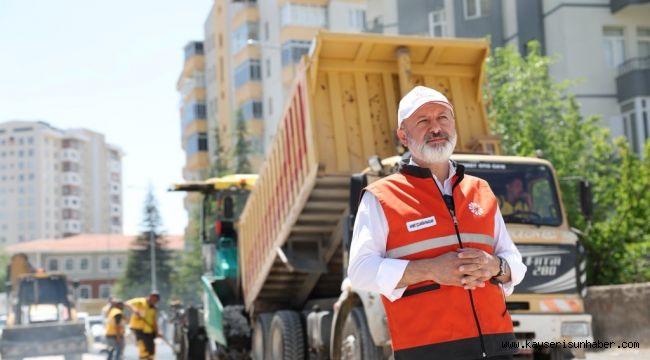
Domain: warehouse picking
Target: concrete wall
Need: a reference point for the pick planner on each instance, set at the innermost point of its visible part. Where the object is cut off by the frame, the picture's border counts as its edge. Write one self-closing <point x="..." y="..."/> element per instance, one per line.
<point x="620" y="312"/>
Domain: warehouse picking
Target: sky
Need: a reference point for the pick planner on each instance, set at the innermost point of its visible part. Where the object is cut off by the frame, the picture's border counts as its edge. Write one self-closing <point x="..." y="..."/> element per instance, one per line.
<point x="111" y="67"/>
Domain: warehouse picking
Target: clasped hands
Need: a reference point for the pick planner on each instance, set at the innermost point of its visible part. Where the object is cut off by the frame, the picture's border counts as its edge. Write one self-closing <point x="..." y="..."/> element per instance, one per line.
<point x="467" y="267"/>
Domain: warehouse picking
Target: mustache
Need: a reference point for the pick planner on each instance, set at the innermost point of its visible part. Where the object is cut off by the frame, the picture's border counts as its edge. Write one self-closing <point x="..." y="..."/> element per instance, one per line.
<point x="435" y="136"/>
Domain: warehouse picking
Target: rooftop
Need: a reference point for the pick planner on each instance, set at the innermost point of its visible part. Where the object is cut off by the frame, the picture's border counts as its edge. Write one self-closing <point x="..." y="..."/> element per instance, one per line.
<point x="88" y="243"/>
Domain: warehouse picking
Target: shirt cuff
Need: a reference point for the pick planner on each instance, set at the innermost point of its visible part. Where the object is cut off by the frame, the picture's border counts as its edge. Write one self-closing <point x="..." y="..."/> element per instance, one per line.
<point x="389" y="274"/>
<point x="517" y="272"/>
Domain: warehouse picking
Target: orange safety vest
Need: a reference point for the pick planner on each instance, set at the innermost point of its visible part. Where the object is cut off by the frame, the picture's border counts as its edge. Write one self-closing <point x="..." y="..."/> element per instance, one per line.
<point x="432" y="320"/>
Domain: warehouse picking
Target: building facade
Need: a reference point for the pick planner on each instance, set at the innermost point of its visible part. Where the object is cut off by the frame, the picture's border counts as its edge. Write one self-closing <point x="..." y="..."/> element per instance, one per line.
<point x="97" y="261"/>
<point x="603" y="45"/>
<point x="56" y="183"/>
<point x="251" y="51"/>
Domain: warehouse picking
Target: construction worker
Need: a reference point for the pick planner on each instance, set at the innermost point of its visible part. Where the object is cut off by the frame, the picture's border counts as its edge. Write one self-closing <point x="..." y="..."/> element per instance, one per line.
<point x="144" y="323"/>
<point x="115" y="330"/>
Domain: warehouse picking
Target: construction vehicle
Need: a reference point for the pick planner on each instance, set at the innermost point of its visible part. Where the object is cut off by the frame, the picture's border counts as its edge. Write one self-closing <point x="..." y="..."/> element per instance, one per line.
<point x="294" y="233"/>
<point x="41" y="318"/>
<point x="221" y="318"/>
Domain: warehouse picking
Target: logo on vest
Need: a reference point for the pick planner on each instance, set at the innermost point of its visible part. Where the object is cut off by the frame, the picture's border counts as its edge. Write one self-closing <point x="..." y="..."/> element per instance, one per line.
<point x="476" y="209"/>
<point x="420" y="224"/>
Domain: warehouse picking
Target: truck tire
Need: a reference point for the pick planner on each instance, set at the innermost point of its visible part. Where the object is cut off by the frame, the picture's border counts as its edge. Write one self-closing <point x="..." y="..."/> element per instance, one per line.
<point x="357" y="342"/>
<point x="261" y="343"/>
<point x="287" y="336"/>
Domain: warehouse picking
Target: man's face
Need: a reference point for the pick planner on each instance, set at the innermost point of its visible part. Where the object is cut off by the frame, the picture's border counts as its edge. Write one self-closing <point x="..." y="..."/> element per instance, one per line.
<point x="430" y="133"/>
<point x="153" y="299"/>
<point x="515" y="187"/>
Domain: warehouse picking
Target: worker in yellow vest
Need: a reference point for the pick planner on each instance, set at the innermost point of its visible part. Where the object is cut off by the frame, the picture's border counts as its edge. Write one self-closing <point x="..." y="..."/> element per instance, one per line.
<point x="144" y="323"/>
<point x="115" y="330"/>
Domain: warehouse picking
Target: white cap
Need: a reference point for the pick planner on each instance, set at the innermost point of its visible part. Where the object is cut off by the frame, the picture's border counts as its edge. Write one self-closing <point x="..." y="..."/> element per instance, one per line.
<point x="417" y="97"/>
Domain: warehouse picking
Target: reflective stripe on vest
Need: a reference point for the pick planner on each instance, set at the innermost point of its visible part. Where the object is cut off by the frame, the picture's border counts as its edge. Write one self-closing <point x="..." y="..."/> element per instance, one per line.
<point x="432" y="320"/>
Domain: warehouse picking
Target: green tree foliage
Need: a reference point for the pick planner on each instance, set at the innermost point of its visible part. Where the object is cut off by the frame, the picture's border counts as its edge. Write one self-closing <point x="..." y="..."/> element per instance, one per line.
<point x="532" y="114"/>
<point x="242" y="150"/>
<point x="186" y="283"/>
<point x="219" y="166"/>
<point x="136" y="280"/>
<point x="4" y="261"/>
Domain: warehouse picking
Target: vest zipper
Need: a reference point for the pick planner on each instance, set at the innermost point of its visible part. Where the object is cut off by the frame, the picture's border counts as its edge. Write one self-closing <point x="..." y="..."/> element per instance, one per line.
<point x="449" y="201"/>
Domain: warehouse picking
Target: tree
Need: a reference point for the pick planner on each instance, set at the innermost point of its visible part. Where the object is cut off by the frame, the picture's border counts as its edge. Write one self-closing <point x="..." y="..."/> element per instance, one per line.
<point x="4" y="262"/>
<point x="219" y="166"/>
<point x="532" y="114"/>
<point x="242" y="148"/>
<point x="136" y="280"/>
<point x="186" y="278"/>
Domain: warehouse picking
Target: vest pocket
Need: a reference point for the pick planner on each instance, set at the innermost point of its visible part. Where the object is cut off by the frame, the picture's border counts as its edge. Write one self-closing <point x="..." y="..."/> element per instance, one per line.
<point x="420" y="289"/>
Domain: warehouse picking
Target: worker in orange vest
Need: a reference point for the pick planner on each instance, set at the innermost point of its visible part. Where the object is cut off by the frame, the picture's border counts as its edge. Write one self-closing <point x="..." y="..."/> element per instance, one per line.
<point x="432" y="241"/>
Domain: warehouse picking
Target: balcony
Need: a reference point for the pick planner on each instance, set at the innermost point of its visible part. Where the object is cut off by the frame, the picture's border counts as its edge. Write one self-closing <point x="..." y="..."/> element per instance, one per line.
<point x="618" y="5"/>
<point x="633" y="79"/>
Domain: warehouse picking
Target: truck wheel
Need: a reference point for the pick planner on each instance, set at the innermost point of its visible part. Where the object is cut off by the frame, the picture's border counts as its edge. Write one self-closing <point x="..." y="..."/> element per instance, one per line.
<point x="287" y="336"/>
<point x="356" y="339"/>
<point x="262" y="337"/>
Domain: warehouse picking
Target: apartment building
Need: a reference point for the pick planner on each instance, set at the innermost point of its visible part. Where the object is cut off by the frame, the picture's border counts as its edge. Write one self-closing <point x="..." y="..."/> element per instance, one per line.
<point x="56" y="183"/>
<point x="251" y="52"/>
<point x="194" y="124"/>
<point x="603" y="44"/>
<point x="97" y="261"/>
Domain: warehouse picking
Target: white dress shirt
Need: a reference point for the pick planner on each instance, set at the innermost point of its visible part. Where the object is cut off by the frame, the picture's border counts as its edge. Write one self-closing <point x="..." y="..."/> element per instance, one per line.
<point x="370" y="270"/>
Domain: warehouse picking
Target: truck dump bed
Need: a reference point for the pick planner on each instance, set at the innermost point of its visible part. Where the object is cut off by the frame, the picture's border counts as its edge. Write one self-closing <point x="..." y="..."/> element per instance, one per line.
<point x="341" y="111"/>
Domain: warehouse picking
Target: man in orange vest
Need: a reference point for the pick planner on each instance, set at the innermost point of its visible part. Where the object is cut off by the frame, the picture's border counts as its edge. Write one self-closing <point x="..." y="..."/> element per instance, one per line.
<point x="432" y="241"/>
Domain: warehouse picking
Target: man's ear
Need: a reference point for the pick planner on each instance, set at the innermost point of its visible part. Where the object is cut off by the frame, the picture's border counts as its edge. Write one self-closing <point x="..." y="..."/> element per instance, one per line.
<point x="401" y="135"/>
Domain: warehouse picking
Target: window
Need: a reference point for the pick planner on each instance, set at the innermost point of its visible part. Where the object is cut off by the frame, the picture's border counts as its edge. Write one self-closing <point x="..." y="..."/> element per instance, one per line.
<point x="613" y="46"/>
<point x="193" y="111"/>
<point x="104" y="263"/>
<point x="69" y="264"/>
<point x="197" y="142"/>
<point x="357" y="19"/>
<point x="475" y="9"/>
<point x="437" y="23"/>
<point x="119" y="262"/>
<point x="83" y="264"/>
<point x="293" y="50"/>
<point x="249" y="70"/>
<point x="241" y="37"/>
<point x="270" y="106"/>
<point x="104" y="291"/>
<point x="643" y="41"/>
<point x="53" y="265"/>
<point x="635" y="115"/>
<point x="84" y="292"/>
<point x="252" y="109"/>
<point x="303" y="15"/>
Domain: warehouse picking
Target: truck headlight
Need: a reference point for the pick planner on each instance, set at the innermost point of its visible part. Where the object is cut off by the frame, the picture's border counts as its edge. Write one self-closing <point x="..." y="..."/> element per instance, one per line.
<point x="575" y="328"/>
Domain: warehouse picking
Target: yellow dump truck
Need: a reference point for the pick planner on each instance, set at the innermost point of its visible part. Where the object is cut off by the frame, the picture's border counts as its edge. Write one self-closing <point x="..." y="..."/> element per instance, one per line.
<point x="294" y="233"/>
<point x="41" y="319"/>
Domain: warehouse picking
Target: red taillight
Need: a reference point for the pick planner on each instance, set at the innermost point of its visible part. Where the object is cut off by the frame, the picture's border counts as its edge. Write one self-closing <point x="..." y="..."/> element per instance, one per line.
<point x="217" y="227"/>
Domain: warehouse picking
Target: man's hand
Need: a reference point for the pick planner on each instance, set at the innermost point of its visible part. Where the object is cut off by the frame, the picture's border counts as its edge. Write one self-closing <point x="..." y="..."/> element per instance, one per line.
<point x="443" y="269"/>
<point x="477" y="267"/>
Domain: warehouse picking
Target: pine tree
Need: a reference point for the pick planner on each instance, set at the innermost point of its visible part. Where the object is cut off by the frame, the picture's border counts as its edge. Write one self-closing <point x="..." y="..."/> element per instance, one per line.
<point x="136" y="280"/>
<point x="186" y="278"/>
<point x="219" y="166"/>
<point x="242" y="147"/>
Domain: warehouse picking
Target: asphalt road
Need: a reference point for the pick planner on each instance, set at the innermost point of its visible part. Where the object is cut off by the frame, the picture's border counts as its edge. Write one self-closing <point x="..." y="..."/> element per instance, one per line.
<point x="165" y="353"/>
